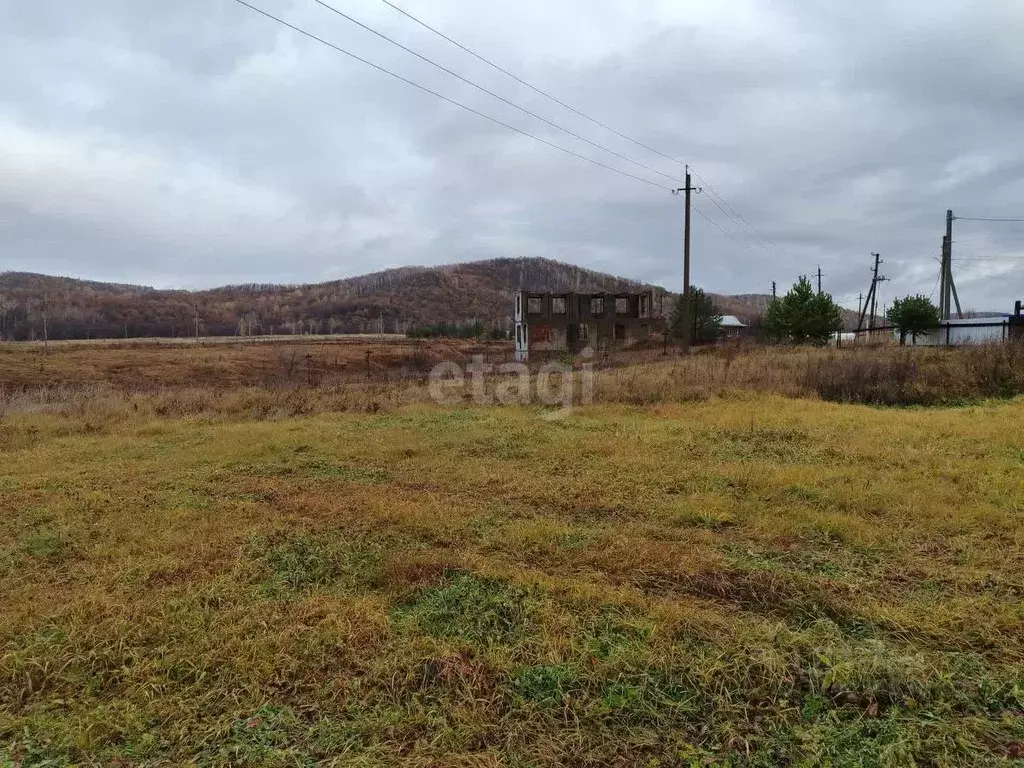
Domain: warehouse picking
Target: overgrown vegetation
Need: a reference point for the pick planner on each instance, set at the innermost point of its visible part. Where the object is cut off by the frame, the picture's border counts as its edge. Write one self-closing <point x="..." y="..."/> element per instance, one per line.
<point x="104" y="383"/>
<point x="943" y="377"/>
<point x="738" y="579"/>
<point x="887" y="375"/>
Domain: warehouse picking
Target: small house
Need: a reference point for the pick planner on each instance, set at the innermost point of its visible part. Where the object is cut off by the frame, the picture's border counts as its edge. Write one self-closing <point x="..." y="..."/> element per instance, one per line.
<point x="732" y="326"/>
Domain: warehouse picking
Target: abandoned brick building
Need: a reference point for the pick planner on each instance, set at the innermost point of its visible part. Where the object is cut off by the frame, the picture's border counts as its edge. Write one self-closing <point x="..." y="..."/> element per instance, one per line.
<point x="554" y="322"/>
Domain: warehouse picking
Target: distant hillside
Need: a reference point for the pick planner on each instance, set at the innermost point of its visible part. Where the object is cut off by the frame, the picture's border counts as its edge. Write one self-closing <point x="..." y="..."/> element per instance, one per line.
<point x="394" y="300"/>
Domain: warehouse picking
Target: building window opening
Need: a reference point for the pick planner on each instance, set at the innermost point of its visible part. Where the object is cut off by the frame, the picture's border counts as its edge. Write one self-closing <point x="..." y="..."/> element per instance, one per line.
<point x="558" y="305"/>
<point x="533" y="305"/>
<point x="597" y="305"/>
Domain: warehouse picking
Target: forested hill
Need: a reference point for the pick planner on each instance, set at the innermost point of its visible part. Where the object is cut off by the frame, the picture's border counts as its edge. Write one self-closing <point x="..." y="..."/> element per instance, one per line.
<point x="398" y="299"/>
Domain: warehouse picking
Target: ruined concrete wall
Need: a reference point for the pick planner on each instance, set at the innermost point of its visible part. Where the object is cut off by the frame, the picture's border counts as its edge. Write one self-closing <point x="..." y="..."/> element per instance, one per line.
<point x="574" y="321"/>
<point x="546" y="337"/>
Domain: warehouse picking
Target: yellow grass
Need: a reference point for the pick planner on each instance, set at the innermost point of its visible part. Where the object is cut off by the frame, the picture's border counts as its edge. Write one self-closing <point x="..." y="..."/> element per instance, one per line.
<point x="745" y="579"/>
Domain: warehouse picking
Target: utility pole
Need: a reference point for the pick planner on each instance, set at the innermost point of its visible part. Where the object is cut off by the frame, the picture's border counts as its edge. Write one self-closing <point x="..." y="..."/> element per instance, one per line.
<point x="46" y="333"/>
<point x="819" y="279"/>
<point x="197" y="322"/>
<point x="948" y="291"/>
<point x="874" y="290"/>
<point x="860" y="303"/>
<point x="773" y="291"/>
<point x="943" y="315"/>
<point x="949" y="261"/>
<point x="686" y="262"/>
<point x="871" y="301"/>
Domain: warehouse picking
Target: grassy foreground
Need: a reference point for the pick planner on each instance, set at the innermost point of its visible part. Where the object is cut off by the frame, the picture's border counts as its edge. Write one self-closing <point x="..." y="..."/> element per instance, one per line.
<point x="749" y="580"/>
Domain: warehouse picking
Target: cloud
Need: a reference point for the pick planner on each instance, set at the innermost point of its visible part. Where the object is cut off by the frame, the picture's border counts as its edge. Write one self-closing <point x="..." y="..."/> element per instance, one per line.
<point x="197" y="143"/>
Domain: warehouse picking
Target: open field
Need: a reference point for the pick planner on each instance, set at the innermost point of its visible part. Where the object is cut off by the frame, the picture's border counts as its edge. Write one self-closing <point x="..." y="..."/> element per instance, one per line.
<point x="144" y="365"/>
<point x="695" y="570"/>
<point x="310" y="374"/>
<point x="206" y="341"/>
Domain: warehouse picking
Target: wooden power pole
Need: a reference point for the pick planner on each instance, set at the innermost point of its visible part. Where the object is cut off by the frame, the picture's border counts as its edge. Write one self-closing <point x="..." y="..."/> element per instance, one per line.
<point x="947" y="291"/>
<point x="819" y="279"/>
<point x="874" y="290"/>
<point x="686" y="323"/>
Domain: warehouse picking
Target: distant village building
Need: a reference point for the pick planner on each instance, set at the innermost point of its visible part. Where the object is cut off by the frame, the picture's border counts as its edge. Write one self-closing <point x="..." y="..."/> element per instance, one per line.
<point x="555" y="322"/>
<point x="732" y="327"/>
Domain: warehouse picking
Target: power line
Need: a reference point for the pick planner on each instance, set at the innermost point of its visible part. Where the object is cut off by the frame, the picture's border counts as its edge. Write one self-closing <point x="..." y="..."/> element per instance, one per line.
<point x="718" y="226"/>
<point x="425" y="89"/>
<point x="983" y="218"/>
<point x="988" y="258"/>
<point x="491" y="93"/>
<point x="494" y="120"/>
<point x="712" y="193"/>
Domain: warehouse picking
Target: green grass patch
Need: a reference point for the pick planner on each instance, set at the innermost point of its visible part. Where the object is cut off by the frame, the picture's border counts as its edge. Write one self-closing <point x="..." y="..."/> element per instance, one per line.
<point x="307" y="562"/>
<point x="45" y="544"/>
<point x="545" y="686"/>
<point x="474" y="609"/>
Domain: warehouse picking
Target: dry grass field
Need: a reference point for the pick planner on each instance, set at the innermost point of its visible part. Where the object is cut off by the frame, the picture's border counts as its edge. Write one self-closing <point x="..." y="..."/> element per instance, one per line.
<point x="713" y="564"/>
<point x="148" y="364"/>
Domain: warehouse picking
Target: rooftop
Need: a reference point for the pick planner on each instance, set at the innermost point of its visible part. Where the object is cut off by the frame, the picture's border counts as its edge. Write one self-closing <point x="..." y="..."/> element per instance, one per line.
<point x="731" y="321"/>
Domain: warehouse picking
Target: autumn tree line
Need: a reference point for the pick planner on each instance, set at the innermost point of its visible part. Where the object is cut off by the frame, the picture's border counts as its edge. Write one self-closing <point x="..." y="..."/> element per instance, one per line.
<point x="469" y="298"/>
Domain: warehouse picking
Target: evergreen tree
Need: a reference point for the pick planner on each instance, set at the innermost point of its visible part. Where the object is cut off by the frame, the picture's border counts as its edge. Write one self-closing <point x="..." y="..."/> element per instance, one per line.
<point x="913" y="315"/>
<point x="705" y="320"/>
<point x="803" y="316"/>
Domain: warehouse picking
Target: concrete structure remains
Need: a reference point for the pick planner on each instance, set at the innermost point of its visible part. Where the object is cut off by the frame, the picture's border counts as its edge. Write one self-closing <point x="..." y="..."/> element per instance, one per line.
<point x="557" y="322"/>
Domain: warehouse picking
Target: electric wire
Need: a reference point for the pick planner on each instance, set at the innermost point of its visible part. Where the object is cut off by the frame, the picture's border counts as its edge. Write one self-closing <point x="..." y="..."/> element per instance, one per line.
<point x="447" y="99"/>
<point x="736" y="218"/>
<point x="466" y="107"/>
<point x="491" y="93"/>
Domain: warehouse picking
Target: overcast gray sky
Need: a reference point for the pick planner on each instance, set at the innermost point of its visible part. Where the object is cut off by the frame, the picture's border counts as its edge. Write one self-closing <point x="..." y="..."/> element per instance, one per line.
<point x="194" y="143"/>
